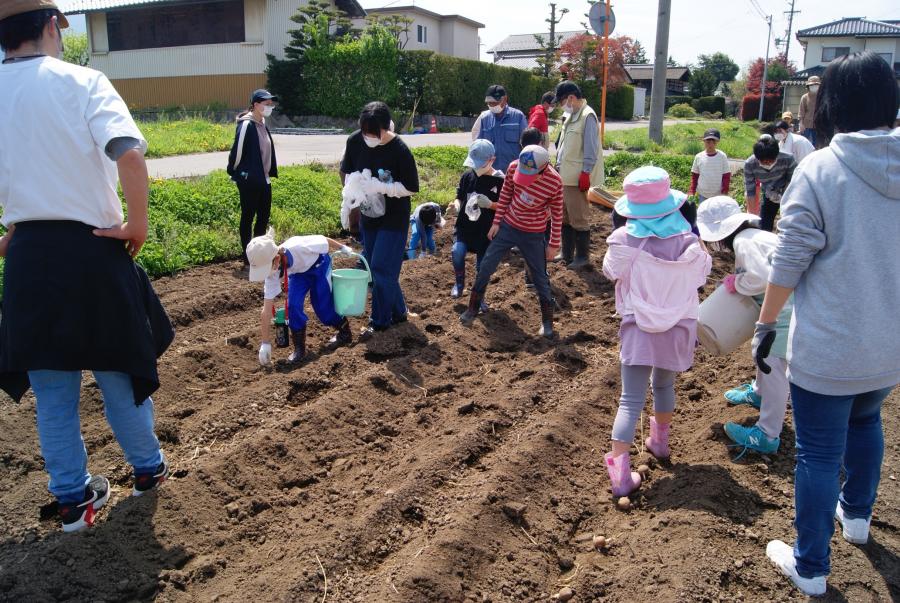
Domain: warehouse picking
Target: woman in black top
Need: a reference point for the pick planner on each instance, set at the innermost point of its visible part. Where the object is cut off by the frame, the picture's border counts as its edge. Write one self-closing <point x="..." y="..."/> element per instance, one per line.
<point x="251" y="164"/>
<point x="376" y="148"/>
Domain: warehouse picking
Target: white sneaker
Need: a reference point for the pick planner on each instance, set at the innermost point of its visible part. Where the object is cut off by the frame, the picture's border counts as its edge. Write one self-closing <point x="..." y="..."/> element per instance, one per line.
<point x="856" y="531"/>
<point x="782" y="557"/>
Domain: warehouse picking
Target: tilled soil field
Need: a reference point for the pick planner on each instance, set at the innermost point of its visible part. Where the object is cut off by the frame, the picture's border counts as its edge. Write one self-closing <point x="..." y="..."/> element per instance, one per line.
<point x="433" y="463"/>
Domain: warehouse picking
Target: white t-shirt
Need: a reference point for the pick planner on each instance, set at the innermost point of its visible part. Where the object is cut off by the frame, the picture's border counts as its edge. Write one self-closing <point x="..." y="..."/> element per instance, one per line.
<point x="304" y="253"/>
<point x="710" y="168"/>
<point x="797" y="146"/>
<point x="53" y="165"/>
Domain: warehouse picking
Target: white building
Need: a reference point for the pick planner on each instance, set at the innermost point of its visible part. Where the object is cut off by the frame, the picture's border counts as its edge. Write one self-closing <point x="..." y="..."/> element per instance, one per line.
<point x="188" y="52"/>
<point x="452" y="35"/>
<point x="824" y="43"/>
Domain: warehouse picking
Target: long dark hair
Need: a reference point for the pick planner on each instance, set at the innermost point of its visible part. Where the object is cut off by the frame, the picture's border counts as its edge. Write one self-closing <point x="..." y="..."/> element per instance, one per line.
<point x="859" y="92"/>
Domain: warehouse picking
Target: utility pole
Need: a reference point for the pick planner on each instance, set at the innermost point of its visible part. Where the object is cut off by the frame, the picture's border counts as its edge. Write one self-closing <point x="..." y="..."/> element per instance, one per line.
<point x="790" y="14"/>
<point x="661" y="53"/>
<point x="762" y="87"/>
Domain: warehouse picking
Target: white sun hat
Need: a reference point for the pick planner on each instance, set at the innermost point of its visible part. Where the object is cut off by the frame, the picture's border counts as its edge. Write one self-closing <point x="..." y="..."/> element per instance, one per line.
<point x="718" y="217"/>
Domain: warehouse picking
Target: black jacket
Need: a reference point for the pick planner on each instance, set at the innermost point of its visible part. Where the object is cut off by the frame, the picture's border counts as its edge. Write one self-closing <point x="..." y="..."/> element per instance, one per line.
<point x="249" y="168"/>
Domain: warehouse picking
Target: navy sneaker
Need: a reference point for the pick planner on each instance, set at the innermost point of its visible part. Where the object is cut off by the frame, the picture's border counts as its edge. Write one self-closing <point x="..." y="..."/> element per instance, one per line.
<point x="145" y="482"/>
<point x="77" y="516"/>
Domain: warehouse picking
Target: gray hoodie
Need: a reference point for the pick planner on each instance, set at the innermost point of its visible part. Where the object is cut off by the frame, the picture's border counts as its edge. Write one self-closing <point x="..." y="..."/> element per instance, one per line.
<point x="839" y="246"/>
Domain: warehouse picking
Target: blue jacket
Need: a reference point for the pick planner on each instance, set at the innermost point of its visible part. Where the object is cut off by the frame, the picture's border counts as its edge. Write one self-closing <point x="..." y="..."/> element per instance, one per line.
<point x="504" y="131"/>
<point x="245" y="164"/>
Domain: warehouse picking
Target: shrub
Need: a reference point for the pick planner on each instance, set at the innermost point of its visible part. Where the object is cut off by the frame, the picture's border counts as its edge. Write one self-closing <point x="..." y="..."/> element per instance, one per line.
<point x="619" y="102"/>
<point x="709" y="104"/>
<point x="750" y="107"/>
<point x="671" y="101"/>
<point x="683" y="110"/>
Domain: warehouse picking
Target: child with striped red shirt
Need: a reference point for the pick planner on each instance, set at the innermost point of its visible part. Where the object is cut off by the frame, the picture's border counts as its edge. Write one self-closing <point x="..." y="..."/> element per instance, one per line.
<point x="532" y="193"/>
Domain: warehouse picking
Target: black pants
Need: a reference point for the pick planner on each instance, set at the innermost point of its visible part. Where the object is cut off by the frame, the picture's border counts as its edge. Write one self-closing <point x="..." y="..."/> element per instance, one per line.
<point x="256" y="202"/>
<point x="767" y="213"/>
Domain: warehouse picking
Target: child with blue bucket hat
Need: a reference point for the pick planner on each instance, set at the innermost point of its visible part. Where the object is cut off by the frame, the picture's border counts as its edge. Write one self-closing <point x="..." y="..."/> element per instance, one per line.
<point x="657" y="264"/>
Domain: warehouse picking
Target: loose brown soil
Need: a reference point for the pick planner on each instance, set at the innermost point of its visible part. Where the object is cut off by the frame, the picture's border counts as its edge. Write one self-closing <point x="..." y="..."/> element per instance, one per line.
<point x="433" y="463"/>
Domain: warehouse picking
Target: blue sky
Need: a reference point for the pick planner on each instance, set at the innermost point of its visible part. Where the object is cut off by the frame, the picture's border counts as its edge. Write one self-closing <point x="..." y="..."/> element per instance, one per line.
<point x="697" y="26"/>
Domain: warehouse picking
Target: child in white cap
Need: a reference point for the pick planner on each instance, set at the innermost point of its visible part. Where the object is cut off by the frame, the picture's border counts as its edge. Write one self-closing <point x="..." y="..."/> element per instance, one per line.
<point x="306" y="261"/>
<point x="657" y="264"/>
<point x="724" y="227"/>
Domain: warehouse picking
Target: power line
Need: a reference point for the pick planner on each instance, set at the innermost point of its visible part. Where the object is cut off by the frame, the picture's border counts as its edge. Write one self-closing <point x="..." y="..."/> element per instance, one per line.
<point x="759" y="9"/>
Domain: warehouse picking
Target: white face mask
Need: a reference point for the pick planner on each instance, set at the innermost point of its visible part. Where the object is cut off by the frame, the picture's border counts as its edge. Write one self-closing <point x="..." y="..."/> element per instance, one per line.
<point x="496" y="109"/>
<point x="371" y="142"/>
<point x="766" y="167"/>
<point x="814" y="88"/>
<point x="487" y="169"/>
<point x="780" y="136"/>
<point x="568" y="109"/>
<point x="267" y="110"/>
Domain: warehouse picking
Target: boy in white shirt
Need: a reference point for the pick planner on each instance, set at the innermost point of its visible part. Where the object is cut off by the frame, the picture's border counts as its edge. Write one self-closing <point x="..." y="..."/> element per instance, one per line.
<point x="710" y="173"/>
<point x="306" y="261"/>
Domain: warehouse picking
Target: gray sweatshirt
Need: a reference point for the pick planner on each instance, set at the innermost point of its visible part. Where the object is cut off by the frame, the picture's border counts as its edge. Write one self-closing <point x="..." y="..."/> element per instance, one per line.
<point x="839" y="246"/>
<point x="772" y="181"/>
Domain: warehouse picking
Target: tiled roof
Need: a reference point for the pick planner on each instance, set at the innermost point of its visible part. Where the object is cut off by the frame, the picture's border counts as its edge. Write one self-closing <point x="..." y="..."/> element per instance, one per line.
<point x="525" y="42"/>
<point x="527" y="63"/>
<point x="645" y="72"/>
<point x="799" y="78"/>
<point x="853" y="26"/>
<point x="74" y="7"/>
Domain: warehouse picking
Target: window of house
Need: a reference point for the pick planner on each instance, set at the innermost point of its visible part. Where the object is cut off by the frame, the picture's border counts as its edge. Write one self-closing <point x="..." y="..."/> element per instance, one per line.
<point x="887" y="56"/>
<point x="215" y="22"/>
<point x="422" y="34"/>
<point x="830" y="53"/>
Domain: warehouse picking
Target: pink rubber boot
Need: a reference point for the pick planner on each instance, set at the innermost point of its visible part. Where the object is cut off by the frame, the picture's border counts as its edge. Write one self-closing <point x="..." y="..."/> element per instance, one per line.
<point x="624" y="480"/>
<point x="658" y="442"/>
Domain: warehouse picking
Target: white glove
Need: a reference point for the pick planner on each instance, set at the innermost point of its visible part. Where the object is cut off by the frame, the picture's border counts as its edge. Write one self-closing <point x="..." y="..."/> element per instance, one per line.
<point x="265" y="354"/>
<point x="344" y="251"/>
<point x="483" y="202"/>
<point x="389" y="189"/>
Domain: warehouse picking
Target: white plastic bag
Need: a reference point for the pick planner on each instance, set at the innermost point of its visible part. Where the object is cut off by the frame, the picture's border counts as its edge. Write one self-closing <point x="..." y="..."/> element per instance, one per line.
<point x="355" y="196"/>
<point x="472" y="209"/>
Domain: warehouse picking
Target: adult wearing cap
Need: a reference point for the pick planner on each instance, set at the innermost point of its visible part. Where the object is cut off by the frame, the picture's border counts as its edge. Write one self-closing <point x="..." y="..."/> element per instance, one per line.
<point x="73" y="297"/>
<point x="788" y="142"/>
<point x="531" y="194"/>
<point x="807" y="111"/>
<point x="788" y="117"/>
<point x="252" y="165"/>
<point x="579" y="160"/>
<point x="502" y="125"/>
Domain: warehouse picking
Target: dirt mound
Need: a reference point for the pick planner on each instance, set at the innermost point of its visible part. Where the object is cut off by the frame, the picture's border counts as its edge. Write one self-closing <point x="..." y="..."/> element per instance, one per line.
<point x="433" y="463"/>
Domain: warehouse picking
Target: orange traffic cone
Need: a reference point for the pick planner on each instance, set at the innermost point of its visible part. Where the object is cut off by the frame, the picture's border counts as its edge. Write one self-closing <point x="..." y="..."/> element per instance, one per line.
<point x="433" y="129"/>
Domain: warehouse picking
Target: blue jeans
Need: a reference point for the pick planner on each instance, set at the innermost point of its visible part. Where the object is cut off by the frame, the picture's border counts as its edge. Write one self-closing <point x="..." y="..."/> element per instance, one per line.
<point x="458" y="257"/>
<point x="384" y="250"/>
<point x="59" y="428"/>
<point x="316" y="281"/>
<point x="810" y="135"/>
<point x="533" y="248"/>
<point x="415" y="240"/>
<point x="833" y="432"/>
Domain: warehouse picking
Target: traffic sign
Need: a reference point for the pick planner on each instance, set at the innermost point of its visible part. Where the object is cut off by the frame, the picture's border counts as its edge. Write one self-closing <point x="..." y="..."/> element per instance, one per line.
<point x="597" y="16"/>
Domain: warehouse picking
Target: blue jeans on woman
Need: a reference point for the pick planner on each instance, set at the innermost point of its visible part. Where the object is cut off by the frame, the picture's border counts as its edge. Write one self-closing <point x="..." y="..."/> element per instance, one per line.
<point x="384" y="249"/>
<point x="418" y="240"/>
<point x="59" y="428"/>
<point x="833" y="432"/>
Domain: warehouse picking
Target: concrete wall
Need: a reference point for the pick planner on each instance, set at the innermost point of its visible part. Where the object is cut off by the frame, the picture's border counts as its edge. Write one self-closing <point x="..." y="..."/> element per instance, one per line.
<point x="465" y="40"/>
<point x="885" y="45"/>
<point x="434" y="33"/>
<point x="813" y="56"/>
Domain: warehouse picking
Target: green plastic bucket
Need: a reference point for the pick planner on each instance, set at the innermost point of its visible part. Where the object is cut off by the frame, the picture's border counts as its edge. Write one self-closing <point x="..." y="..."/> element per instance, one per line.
<point x="350" y="288"/>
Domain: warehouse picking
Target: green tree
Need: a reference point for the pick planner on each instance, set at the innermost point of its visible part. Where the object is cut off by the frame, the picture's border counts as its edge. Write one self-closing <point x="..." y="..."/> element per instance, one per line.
<point x="76" y="48"/>
<point x="549" y="46"/>
<point x="396" y="25"/>
<point x="719" y="65"/>
<point x="319" y="24"/>
<point x="634" y="52"/>
<point x="671" y="62"/>
<point x="702" y="82"/>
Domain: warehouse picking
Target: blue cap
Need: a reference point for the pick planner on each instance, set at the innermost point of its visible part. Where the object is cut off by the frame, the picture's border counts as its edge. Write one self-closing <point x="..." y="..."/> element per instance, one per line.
<point x="480" y="152"/>
<point x="262" y="95"/>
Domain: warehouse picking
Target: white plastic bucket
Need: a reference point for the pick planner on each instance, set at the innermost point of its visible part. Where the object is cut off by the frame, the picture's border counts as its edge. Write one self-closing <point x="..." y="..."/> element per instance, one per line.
<point x="726" y="321"/>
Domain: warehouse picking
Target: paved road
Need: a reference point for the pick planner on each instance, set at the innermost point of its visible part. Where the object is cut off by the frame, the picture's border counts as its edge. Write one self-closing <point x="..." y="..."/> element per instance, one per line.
<point x="294" y="150"/>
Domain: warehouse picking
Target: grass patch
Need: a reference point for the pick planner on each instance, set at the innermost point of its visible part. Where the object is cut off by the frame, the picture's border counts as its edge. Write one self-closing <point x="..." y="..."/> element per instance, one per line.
<point x="619" y="165"/>
<point x="684" y="139"/>
<point x="185" y="136"/>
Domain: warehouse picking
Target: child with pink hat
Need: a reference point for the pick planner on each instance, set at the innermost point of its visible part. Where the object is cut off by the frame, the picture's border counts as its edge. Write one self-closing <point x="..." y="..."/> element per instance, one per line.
<point x="657" y="264"/>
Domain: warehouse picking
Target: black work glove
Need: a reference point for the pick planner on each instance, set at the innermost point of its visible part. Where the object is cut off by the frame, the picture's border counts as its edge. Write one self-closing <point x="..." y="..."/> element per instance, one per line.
<point x="763" y="338"/>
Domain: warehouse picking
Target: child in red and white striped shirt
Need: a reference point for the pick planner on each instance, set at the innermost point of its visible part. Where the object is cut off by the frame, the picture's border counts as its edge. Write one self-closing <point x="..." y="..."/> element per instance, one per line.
<point x="532" y="193"/>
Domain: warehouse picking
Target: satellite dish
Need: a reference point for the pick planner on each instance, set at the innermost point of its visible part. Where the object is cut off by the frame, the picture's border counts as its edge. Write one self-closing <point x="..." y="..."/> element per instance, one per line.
<point x="597" y="16"/>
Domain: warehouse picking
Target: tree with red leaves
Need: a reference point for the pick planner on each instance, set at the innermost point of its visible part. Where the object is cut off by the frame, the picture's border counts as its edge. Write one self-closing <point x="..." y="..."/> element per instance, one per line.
<point x="581" y="59"/>
<point x="779" y="70"/>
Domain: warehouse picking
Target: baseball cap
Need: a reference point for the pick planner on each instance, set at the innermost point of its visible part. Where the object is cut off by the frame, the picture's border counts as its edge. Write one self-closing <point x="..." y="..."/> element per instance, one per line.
<point x="494" y="93"/>
<point x="565" y="89"/>
<point x="262" y="95"/>
<point x="532" y="161"/>
<point x="260" y="253"/>
<point x="480" y="153"/>
<point x="11" y="8"/>
<point x="711" y="133"/>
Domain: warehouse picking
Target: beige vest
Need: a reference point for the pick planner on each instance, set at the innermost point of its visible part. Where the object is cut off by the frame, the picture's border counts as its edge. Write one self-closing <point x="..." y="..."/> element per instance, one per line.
<point x="572" y="142"/>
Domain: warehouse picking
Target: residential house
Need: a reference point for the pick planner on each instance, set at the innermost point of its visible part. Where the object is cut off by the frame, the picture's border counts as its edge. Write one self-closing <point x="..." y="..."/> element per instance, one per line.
<point x="824" y="43"/>
<point x="453" y="35"/>
<point x="188" y="52"/>
<point x="523" y="50"/>
<point x="676" y="78"/>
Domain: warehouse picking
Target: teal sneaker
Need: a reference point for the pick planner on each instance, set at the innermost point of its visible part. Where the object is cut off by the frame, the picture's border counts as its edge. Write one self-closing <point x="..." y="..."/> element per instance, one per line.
<point x="744" y="395"/>
<point x="750" y="438"/>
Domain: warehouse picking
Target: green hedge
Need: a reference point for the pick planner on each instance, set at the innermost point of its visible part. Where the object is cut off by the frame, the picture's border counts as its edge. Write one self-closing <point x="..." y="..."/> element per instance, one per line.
<point x="619" y="102"/>
<point x="677" y="100"/>
<point x="709" y="104"/>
